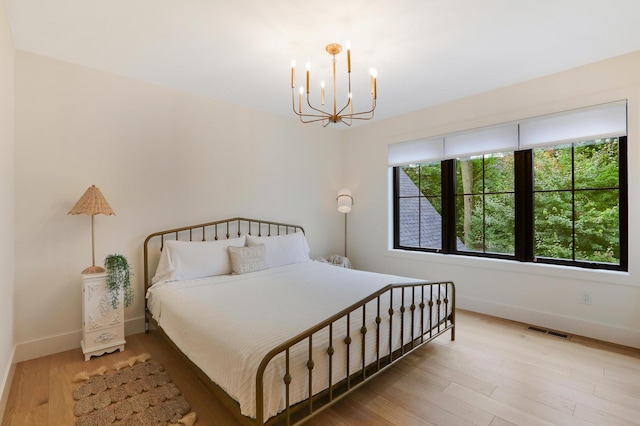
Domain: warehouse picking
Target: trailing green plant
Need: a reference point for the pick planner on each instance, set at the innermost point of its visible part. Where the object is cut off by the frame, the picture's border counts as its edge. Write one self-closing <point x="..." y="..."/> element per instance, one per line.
<point x="118" y="277"/>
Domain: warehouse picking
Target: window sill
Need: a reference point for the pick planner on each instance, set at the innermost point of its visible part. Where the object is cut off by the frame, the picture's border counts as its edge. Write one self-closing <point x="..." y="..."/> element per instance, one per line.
<point x="541" y="269"/>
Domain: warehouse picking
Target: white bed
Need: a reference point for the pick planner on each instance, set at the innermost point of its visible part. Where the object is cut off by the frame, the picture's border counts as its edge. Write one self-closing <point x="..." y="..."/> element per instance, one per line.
<point x="227" y="324"/>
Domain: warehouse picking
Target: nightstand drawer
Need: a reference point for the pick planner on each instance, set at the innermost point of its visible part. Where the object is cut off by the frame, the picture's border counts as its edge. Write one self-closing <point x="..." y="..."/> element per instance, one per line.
<point x="104" y="338"/>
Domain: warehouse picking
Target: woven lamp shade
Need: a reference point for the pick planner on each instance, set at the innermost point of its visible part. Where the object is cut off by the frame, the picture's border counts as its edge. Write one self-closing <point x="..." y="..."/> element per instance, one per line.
<point x="92" y="203"/>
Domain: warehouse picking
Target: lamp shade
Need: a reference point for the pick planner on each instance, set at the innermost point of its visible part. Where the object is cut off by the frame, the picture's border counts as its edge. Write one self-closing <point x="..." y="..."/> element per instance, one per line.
<point x="345" y="200"/>
<point x="92" y="202"/>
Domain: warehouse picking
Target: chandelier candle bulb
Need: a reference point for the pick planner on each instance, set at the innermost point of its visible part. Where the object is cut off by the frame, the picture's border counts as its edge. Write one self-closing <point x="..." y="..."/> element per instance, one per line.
<point x="371" y="79"/>
<point x="348" y="45"/>
<point x="374" y="74"/>
<point x="322" y="90"/>
<point x="293" y="74"/>
<point x="301" y="92"/>
<point x="308" y="73"/>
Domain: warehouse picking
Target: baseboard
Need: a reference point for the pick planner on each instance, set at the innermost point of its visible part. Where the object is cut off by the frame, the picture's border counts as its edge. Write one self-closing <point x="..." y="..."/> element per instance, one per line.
<point x="577" y="326"/>
<point x="134" y="326"/>
<point x="5" y="385"/>
<point x="64" y="342"/>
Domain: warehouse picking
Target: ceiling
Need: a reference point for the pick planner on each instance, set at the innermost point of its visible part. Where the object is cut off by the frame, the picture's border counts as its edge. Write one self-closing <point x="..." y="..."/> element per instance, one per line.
<point x="426" y="52"/>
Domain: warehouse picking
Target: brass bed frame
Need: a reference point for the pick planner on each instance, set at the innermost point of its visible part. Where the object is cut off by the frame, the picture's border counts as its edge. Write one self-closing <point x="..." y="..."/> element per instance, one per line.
<point x="422" y="303"/>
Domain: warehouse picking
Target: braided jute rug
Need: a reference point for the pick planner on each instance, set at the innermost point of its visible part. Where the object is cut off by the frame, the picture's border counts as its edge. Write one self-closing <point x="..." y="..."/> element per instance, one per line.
<point x="133" y="392"/>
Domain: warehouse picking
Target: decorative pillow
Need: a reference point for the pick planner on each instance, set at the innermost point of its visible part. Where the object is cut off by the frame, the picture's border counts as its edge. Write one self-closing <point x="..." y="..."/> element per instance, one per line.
<point x="187" y="260"/>
<point x="283" y="249"/>
<point x="247" y="259"/>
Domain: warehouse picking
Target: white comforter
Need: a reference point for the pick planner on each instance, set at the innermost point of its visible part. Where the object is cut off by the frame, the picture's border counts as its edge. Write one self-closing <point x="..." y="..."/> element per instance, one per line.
<point x="227" y="324"/>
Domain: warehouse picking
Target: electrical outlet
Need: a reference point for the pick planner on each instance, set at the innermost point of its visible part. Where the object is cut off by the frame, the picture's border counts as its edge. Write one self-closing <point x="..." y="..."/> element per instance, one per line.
<point x="585" y="297"/>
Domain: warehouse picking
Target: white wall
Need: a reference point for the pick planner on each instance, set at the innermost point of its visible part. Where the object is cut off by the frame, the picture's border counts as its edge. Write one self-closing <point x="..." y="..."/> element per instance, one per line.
<point x="538" y="294"/>
<point x="162" y="158"/>
<point x="6" y="206"/>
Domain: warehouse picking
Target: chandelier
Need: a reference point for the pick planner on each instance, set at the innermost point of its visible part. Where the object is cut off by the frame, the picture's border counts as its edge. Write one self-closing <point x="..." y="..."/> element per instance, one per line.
<point x="343" y="115"/>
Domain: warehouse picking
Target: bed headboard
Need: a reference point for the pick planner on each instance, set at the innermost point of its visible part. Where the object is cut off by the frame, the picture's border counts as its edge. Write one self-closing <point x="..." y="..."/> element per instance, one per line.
<point x="210" y="231"/>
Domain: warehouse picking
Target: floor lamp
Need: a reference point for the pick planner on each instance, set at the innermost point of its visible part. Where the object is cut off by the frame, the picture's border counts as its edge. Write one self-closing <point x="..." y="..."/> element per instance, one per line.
<point x="345" y="201"/>
<point x="92" y="203"/>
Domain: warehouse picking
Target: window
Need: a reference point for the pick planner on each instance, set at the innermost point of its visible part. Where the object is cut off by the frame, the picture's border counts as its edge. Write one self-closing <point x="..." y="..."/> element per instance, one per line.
<point x="485" y="203"/>
<point x="577" y="201"/>
<point x="420" y="201"/>
<point x="562" y="203"/>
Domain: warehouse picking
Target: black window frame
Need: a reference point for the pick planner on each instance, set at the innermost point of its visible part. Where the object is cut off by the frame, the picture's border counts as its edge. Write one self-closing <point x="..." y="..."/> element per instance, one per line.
<point x="524" y="232"/>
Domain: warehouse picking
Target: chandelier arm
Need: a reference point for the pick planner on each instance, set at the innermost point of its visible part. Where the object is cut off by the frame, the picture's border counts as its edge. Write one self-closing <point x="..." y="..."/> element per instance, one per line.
<point x="361" y="118"/>
<point x="316" y="116"/>
<point x="345" y="107"/>
<point x="312" y="118"/>
<point x="316" y="109"/>
<point x="355" y="115"/>
<point x="323" y="116"/>
<point x="293" y="102"/>
<point x="371" y="111"/>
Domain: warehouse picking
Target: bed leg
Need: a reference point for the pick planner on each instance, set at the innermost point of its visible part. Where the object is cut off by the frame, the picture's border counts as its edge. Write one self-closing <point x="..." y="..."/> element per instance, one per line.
<point x="453" y="323"/>
<point x="146" y="325"/>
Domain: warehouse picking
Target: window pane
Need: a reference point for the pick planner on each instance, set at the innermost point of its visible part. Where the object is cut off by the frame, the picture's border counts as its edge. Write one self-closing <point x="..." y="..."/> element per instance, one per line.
<point x="430" y="177"/>
<point x="553" y="225"/>
<point x="500" y="223"/>
<point x="430" y="223"/>
<point x="469" y="222"/>
<point x="409" y="222"/>
<point x="552" y="168"/>
<point x="596" y="164"/>
<point x="597" y="226"/>
<point x="499" y="172"/>
<point x="490" y="226"/>
<point x="469" y="175"/>
<point x="409" y="187"/>
<point x="420" y="206"/>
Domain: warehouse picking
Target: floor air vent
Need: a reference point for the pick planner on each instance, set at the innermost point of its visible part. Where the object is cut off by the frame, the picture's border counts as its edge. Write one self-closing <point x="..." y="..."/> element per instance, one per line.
<point x="549" y="332"/>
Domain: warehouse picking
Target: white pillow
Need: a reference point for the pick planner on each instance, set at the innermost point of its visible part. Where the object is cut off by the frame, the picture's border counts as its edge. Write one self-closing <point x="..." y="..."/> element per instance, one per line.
<point x="247" y="259"/>
<point x="187" y="260"/>
<point x="283" y="249"/>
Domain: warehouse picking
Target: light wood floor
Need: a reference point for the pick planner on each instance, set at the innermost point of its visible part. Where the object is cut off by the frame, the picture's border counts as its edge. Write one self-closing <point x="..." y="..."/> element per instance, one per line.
<point x="495" y="373"/>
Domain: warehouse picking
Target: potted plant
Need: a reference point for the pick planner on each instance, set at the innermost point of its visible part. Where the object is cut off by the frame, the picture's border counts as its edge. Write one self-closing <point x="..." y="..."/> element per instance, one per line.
<point x="118" y="275"/>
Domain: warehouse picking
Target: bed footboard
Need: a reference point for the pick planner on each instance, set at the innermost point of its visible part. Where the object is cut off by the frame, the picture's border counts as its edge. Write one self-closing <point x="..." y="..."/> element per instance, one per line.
<point x="394" y="328"/>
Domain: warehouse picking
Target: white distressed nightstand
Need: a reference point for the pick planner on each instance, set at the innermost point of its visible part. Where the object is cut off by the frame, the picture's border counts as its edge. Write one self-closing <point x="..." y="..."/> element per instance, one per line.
<point x="102" y="326"/>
